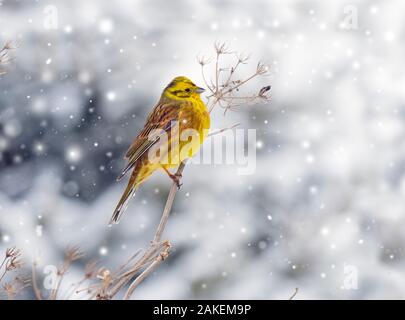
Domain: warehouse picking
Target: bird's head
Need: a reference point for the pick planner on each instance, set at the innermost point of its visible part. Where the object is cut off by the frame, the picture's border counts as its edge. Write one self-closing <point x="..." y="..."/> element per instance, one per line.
<point x="182" y="88"/>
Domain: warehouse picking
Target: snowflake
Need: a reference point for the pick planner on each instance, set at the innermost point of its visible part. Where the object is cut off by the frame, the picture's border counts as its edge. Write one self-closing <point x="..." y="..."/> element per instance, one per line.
<point x="39" y="148"/>
<point x="73" y="154"/>
<point x="106" y="26"/>
<point x="103" y="251"/>
<point x="324" y="231"/>
<point x="111" y="96"/>
<point x="68" y="29"/>
<point x="38" y="230"/>
<point x="259" y="144"/>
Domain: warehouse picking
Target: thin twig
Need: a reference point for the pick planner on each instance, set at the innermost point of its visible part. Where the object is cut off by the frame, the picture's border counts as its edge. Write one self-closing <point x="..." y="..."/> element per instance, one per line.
<point x="150" y="254"/>
<point x="157" y="261"/>
<point x="222" y="130"/>
<point x="37" y="292"/>
<point x="294" y="294"/>
<point x="169" y="204"/>
<point x="3" y="262"/>
<point x="3" y="274"/>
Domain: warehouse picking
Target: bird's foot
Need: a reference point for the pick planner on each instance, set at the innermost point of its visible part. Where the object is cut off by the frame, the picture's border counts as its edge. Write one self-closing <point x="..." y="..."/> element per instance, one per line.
<point x="176" y="179"/>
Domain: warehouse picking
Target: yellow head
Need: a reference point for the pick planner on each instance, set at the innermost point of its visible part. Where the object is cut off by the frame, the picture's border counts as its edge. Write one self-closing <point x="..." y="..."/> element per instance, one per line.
<point x="182" y="88"/>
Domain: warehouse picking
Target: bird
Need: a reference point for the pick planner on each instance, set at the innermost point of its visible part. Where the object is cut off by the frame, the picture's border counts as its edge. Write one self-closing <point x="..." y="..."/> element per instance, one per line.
<point x="173" y="132"/>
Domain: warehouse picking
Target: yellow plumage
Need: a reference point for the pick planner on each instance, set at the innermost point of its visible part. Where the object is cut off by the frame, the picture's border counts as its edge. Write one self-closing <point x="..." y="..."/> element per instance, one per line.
<point x="173" y="131"/>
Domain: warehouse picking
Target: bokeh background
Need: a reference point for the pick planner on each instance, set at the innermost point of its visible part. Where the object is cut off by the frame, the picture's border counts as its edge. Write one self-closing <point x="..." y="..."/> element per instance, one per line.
<point x="324" y="210"/>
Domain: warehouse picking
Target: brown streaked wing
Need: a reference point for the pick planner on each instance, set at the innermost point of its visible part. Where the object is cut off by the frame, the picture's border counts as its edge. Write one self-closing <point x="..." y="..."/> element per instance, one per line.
<point x="160" y="118"/>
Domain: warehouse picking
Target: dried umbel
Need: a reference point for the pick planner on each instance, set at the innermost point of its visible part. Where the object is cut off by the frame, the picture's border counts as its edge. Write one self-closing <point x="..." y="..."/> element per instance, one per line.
<point x="225" y="84"/>
<point x="73" y="253"/>
<point x="12" y="261"/>
<point x="90" y="271"/>
<point x="14" y="287"/>
<point x="12" y="252"/>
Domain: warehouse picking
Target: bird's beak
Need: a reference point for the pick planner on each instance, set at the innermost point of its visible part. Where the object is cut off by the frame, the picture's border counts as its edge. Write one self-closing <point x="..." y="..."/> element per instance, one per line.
<point x="199" y="90"/>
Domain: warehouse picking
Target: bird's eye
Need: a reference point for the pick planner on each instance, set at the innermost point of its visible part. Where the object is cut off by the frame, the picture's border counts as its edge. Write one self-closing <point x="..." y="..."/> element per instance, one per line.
<point x="188" y="90"/>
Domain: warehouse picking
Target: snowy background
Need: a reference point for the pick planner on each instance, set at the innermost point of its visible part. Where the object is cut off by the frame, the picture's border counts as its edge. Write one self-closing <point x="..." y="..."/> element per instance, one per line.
<point x="324" y="210"/>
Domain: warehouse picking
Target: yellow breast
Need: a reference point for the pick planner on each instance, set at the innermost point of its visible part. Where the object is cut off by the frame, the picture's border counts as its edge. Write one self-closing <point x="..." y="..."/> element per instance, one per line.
<point x="194" y="125"/>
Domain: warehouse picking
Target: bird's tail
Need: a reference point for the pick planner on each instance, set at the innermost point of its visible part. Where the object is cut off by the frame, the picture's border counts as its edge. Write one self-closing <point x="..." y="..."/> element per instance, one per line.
<point x="123" y="203"/>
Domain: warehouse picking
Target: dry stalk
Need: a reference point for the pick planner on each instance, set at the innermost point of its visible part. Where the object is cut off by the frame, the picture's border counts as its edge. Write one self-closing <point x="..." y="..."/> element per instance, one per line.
<point x="72" y="253"/>
<point x="294" y="294"/>
<point x="37" y="292"/>
<point x="162" y="256"/>
<point x="90" y="272"/>
<point x="153" y="256"/>
<point x="15" y="286"/>
<point x="10" y="263"/>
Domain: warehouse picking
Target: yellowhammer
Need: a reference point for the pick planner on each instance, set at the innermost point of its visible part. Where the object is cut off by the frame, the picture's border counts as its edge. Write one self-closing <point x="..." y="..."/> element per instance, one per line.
<point x="173" y="132"/>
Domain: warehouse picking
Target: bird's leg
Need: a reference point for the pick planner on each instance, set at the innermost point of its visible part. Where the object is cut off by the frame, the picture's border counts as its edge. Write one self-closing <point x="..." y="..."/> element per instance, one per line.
<point x="175" y="177"/>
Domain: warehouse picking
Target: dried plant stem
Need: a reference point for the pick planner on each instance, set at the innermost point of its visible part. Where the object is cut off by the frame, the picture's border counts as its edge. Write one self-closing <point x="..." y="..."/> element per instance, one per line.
<point x="168" y="206"/>
<point x="3" y="262"/>
<point x="157" y="251"/>
<point x="11" y="262"/>
<point x="54" y="292"/>
<point x="223" y="94"/>
<point x="294" y="294"/>
<point x="37" y="292"/>
<point x="74" y="288"/>
<point x="128" y="275"/>
<point x="158" y="260"/>
<point x="2" y="276"/>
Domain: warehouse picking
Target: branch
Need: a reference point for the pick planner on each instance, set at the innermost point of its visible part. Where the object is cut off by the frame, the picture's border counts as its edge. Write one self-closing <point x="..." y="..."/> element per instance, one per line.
<point x="156" y="240"/>
<point x="154" y="255"/>
<point x="168" y="206"/>
<point x="156" y="262"/>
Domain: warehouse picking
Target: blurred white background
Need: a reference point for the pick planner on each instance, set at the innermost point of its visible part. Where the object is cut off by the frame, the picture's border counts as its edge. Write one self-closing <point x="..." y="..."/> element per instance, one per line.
<point x="323" y="212"/>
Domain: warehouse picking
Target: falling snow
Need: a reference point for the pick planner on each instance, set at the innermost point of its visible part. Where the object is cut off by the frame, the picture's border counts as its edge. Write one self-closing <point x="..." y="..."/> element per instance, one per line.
<point x="329" y="151"/>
